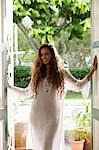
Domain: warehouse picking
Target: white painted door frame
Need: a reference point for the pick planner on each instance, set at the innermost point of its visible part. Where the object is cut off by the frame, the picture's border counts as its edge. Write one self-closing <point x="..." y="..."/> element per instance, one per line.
<point x="6" y="58"/>
<point x="3" y="99"/>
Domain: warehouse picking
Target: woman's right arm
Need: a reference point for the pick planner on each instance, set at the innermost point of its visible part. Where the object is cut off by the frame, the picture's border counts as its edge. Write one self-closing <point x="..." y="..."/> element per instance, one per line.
<point x="28" y="89"/>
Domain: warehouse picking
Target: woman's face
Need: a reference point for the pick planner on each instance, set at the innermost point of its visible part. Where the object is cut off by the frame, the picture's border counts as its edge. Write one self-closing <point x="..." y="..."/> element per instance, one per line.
<point x="45" y="56"/>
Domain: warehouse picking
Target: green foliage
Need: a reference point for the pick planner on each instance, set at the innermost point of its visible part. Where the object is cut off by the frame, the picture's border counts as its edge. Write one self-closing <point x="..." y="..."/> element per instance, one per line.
<point x="79" y="73"/>
<point x="83" y="123"/>
<point x="73" y="95"/>
<point x="23" y="45"/>
<point x="73" y="52"/>
<point x="78" y="134"/>
<point x="83" y="118"/>
<point x="46" y="14"/>
<point x="21" y="76"/>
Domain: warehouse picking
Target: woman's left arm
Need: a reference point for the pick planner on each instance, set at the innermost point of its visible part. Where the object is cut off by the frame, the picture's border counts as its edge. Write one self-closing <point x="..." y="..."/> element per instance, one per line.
<point x="79" y="84"/>
<point x="89" y="76"/>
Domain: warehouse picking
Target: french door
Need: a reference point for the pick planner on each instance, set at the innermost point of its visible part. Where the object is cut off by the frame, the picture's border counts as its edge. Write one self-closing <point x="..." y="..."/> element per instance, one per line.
<point x="95" y="51"/>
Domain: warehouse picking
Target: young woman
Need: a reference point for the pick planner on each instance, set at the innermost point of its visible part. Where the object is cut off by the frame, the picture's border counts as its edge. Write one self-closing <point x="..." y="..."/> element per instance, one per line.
<point x="49" y="81"/>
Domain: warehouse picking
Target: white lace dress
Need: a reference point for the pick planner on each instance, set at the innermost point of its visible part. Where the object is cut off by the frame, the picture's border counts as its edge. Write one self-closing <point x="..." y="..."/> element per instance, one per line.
<point x="46" y="117"/>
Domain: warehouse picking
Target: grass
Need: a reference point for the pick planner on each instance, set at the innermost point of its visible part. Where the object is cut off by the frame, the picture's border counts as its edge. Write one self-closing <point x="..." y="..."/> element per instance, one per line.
<point x="69" y="95"/>
<point x="75" y="95"/>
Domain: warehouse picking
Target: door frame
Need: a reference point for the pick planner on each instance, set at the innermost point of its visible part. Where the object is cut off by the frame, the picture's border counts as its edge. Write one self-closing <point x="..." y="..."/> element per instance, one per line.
<point x="3" y="98"/>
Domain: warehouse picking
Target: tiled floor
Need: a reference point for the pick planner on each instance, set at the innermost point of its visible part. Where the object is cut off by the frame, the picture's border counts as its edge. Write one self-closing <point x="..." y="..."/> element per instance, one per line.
<point x="67" y="147"/>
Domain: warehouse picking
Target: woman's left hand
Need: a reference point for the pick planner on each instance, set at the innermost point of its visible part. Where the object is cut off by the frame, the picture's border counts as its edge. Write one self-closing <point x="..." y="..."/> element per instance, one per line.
<point x="89" y="76"/>
<point x="95" y="63"/>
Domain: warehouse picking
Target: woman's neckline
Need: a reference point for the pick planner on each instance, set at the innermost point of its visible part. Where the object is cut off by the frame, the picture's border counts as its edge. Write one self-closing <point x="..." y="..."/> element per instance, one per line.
<point x="46" y="80"/>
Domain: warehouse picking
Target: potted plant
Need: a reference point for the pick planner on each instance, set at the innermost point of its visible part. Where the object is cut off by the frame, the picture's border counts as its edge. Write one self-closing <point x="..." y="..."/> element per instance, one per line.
<point x="83" y="120"/>
<point x="79" y="136"/>
<point x="77" y="139"/>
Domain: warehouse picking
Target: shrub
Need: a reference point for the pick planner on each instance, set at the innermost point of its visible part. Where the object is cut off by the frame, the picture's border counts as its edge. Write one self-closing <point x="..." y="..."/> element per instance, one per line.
<point x="22" y="74"/>
<point x="79" y="73"/>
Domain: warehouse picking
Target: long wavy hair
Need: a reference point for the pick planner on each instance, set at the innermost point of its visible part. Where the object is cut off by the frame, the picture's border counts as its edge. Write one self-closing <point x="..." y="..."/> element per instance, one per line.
<point x="56" y="70"/>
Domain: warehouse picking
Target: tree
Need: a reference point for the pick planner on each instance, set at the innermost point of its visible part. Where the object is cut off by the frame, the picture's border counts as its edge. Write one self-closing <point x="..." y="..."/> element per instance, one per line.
<point x="52" y="18"/>
<point x="75" y="52"/>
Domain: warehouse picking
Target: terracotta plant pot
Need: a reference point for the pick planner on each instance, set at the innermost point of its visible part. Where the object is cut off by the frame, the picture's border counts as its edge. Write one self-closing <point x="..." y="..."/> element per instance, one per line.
<point x="77" y="145"/>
